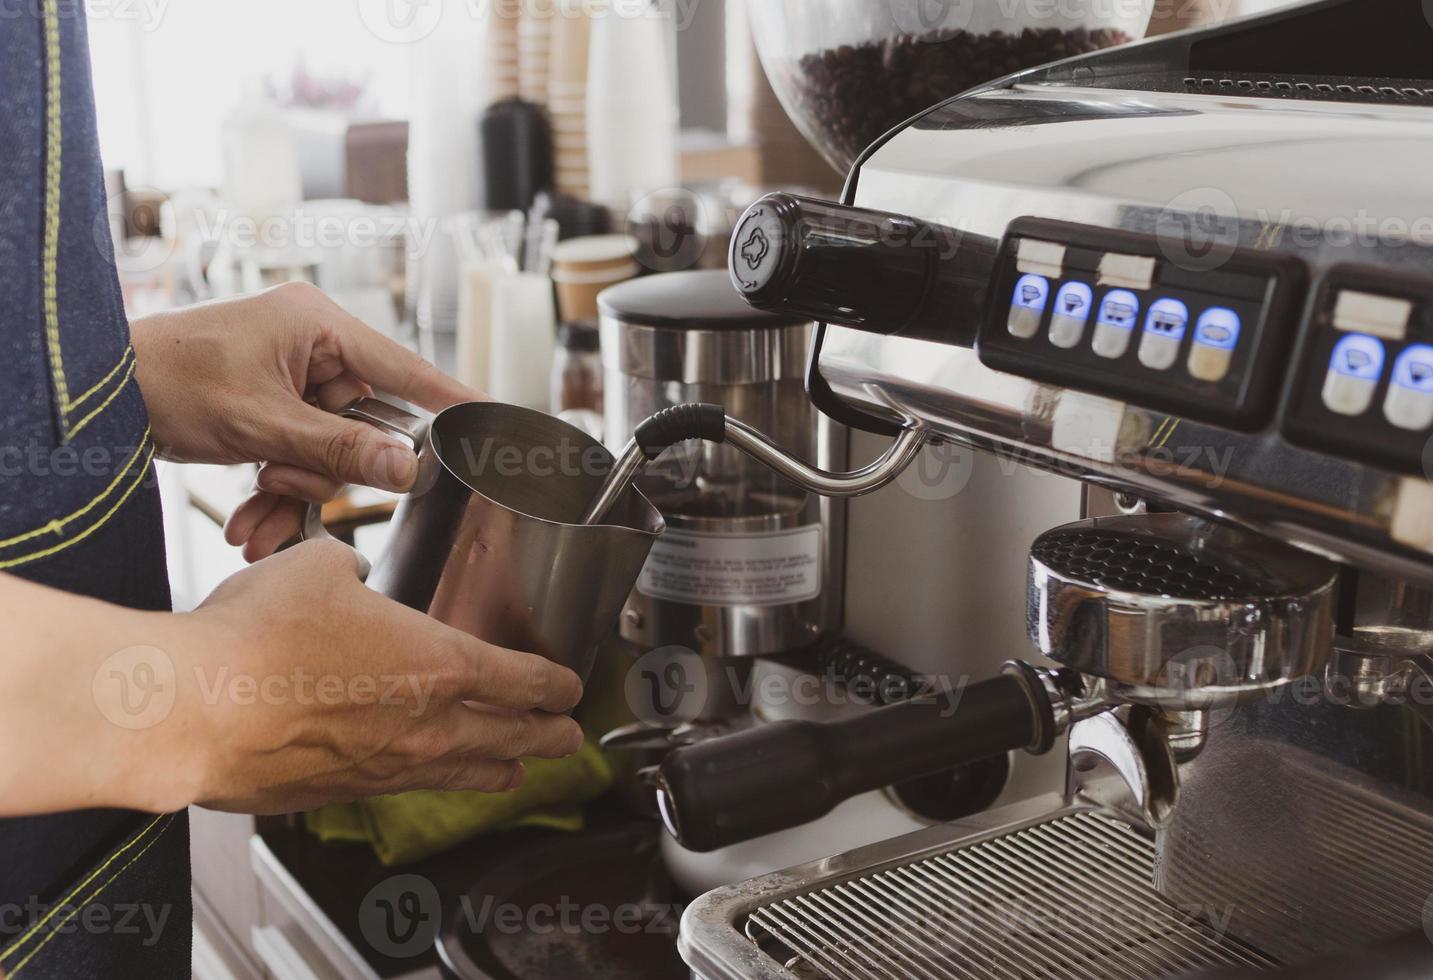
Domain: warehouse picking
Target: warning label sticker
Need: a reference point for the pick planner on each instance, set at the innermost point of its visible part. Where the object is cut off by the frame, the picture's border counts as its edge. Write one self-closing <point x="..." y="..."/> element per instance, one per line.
<point x="774" y="568"/>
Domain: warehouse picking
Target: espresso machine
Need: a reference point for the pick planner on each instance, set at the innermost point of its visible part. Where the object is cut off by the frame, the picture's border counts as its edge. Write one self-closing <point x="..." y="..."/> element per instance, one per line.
<point x="1190" y="281"/>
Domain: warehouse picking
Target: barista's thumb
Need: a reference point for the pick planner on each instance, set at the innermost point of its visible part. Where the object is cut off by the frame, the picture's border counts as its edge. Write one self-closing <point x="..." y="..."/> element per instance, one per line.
<point x="349" y="451"/>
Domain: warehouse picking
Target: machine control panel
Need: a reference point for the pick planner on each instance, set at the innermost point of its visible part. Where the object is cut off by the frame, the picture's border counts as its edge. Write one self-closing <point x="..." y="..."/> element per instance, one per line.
<point x="1109" y="313"/>
<point x="1364" y="384"/>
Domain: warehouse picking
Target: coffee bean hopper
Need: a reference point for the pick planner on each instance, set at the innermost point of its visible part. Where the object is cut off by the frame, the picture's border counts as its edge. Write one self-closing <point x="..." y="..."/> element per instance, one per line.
<point x="1192" y="280"/>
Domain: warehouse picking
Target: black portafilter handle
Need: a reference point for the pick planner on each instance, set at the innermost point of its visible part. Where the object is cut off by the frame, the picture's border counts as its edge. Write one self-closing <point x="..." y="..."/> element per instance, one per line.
<point x="727" y="790"/>
<point x="879" y="272"/>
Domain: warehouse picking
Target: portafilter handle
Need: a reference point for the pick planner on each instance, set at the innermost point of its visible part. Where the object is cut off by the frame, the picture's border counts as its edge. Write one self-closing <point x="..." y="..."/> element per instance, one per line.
<point x="870" y="270"/>
<point x="682" y="423"/>
<point x="727" y="790"/>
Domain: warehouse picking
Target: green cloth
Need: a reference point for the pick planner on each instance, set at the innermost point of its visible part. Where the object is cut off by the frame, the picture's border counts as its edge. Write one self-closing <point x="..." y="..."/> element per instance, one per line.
<point x="411" y="826"/>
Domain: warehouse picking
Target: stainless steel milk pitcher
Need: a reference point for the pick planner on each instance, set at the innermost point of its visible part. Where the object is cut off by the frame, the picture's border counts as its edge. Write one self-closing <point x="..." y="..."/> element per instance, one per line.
<point x="491" y="539"/>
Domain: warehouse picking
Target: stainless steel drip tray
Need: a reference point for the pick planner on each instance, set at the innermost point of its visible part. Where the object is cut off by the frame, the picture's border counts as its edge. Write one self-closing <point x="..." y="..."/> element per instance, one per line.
<point x="1039" y="890"/>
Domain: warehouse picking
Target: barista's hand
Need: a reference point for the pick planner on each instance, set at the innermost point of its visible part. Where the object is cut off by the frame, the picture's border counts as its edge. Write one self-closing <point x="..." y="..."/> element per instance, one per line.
<point x="255" y="380"/>
<point x="382" y="709"/>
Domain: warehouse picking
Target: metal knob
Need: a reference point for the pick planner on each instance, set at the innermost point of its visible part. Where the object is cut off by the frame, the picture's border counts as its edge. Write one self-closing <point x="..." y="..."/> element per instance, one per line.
<point x="1177" y="612"/>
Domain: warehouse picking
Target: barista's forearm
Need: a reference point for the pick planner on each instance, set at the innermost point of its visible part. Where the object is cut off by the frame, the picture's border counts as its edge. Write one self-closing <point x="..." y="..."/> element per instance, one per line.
<point x="84" y="687"/>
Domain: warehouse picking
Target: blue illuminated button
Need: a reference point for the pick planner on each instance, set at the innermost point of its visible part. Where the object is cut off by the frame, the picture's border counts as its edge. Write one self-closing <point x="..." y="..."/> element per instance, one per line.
<point x="1027" y="306"/>
<point x="1164" y="330"/>
<point x="1115" y="327"/>
<point x="1216" y="336"/>
<point x="1354" y="372"/>
<point x="1409" y="404"/>
<point x="1073" y="306"/>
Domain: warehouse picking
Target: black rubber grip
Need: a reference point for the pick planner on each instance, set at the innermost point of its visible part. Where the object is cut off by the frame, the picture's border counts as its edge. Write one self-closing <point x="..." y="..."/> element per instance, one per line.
<point x="681" y="423"/>
<point x="879" y="272"/>
<point x="727" y="790"/>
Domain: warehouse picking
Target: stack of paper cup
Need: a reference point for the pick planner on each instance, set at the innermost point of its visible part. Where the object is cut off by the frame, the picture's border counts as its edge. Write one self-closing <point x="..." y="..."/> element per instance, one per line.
<point x="534" y="51"/>
<point x="503" y="54"/>
<point x="631" y="104"/>
<point x="567" y="95"/>
<point x="583" y="267"/>
<point x="523" y="340"/>
<point x="475" y="325"/>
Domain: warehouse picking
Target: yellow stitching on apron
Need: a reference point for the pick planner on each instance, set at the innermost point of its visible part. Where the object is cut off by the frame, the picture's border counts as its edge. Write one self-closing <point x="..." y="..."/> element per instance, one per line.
<point x="71" y="542"/>
<point x="56" y="526"/>
<point x="53" y="169"/>
<point x="76" y="909"/>
<point x="124" y="358"/>
<point x="74" y="430"/>
<point x="6" y="953"/>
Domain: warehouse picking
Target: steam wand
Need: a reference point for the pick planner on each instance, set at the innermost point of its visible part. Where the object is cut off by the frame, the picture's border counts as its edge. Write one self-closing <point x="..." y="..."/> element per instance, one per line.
<point x="710" y="423"/>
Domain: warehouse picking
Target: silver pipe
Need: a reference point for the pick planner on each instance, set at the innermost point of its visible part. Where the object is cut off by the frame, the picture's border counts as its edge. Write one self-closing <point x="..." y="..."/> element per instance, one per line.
<point x="865" y="480"/>
<point x="624" y="471"/>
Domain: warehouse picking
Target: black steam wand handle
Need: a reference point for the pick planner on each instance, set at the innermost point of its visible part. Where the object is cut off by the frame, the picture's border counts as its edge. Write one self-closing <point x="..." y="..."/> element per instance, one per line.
<point x="879" y="272"/>
<point x="731" y="789"/>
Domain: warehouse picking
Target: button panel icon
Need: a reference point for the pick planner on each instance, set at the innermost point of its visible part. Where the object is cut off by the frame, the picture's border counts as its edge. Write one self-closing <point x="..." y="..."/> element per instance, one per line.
<point x="1119" y="312"/>
<point x="1409" y="404"/>
<point x="1164" y="330"/>
<point x="1216" y="337"/>
<point x="1073" y="306"/>
<point x="1027" y="307"/>
<point x="1353" y="375"/>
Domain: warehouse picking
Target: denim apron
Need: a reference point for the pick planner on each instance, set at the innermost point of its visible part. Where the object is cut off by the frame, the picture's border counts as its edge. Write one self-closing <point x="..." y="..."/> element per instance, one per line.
<point x="98" y="893"/>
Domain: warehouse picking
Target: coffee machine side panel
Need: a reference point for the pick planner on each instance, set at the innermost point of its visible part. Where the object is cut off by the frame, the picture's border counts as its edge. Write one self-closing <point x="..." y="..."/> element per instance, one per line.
<point x="936" y="567"/>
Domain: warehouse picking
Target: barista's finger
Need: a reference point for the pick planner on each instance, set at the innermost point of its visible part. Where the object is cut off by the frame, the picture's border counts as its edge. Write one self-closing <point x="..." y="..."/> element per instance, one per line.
<point x="391" y="367"/>
<point x="511" y="734"/>
<point x="345" y="449"/>
<point x="293" y="481"/>
<point x="240" y="526"/>
<point x="509" y="679"/>
<point x="335" y="394"/>
<point x="280" y="526"/>
<point x="473" y="773"/>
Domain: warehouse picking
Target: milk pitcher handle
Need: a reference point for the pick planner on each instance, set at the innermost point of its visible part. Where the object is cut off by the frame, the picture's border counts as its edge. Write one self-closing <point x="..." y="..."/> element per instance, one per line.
<point x="380" y="415"/>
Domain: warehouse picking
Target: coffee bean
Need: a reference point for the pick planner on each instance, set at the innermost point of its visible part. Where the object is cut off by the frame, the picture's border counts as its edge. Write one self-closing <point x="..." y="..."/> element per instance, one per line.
<point x="855" y="93"/>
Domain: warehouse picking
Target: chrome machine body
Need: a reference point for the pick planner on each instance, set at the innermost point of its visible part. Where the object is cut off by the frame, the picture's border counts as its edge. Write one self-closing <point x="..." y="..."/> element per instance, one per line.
<point x="751" y="564"/>
<point x="1239" y="220"/>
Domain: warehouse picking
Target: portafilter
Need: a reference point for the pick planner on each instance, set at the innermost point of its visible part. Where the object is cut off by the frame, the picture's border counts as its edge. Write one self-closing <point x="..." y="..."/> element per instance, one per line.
<point x="1165" y="610"/>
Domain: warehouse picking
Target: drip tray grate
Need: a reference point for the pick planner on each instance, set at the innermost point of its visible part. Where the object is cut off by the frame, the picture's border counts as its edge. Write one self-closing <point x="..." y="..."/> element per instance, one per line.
<point x="1069" y="898"/>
